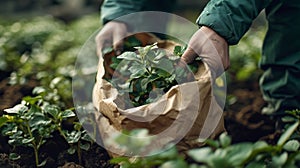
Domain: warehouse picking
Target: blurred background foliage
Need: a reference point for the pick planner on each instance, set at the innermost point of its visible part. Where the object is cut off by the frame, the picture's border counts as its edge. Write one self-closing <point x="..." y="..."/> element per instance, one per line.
<point x="39" y="40"/>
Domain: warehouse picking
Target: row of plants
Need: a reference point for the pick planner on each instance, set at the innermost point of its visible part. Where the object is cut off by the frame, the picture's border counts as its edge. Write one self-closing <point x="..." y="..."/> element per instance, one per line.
<point x="35" y="121"/>
<point x="43" y="49"/>
<point x="220" y="152"/>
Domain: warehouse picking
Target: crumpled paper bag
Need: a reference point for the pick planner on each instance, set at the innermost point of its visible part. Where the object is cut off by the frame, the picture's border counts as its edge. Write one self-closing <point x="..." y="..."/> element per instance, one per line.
<point x="182" y="115"/>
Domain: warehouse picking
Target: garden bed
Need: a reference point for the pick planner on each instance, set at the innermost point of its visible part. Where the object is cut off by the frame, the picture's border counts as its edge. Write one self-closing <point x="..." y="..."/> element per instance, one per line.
<point x="243" y="122"/>
<point x="46" y="60"/>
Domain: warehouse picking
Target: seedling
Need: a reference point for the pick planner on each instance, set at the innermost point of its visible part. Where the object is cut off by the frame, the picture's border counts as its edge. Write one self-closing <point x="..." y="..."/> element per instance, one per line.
<point x="27" y="126"/>
<point x="34" y="121"/>
<point x="148" y="73"/>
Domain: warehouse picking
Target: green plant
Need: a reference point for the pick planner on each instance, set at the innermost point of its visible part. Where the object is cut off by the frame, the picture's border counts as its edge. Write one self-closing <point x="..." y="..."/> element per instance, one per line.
<point x="35" y="120"/>
<point x="27" y="126"/>
<point x="45" y="50"/>
<point x="79" y="140"/>
<point x="130" y="143"/>
<point x="221" y="153"/>
<point x="148" y="73"/>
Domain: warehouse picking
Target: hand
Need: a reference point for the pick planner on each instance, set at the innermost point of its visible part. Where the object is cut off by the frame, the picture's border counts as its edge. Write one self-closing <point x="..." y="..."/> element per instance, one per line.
<point x="211" y="47"/>
<point x="112" y="34"/>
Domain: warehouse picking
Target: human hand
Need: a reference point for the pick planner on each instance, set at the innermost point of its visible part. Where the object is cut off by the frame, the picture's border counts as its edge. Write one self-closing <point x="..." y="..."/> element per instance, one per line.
<point x="211" y="47"/>
<point x="112" y="34"/>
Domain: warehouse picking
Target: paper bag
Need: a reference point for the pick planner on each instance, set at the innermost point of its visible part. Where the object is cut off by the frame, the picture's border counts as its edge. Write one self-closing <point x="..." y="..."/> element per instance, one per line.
<point x="180" y="116"/>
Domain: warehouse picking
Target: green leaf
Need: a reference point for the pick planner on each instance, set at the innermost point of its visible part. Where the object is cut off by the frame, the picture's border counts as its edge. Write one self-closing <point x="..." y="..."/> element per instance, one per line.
<point x="238" y="153"/>
<point x="179" y="71"/>
<point x="174" y="164"/>
<point x="225" y="140"/>
<point x="170" y="153"/>
<point x="151" y="56"/>
<point x="14" y="156"/>
<point x="18" y="109"/>
<point x="32" y="100"/>
<point x="256" y="165"/>
<point x="71" y="150"/>
<point x="123" y="67"/>
<point x="216" y="162"/>
<point x="177" y="50"/>
<point x="291" y="145"/>
<point x="129" y="56"/>
<point x="260" y="145"/>
<point x="212" y="143"/>
<point x="193" y="165"/>
<point x="86" y="137"/>
<point x="42" y="164"/>
<point x="53" y="110"/>
<point x="118" y="160"/>
<point x="279" y="161"/>
<point x="115" y="62"/>
<point x="159" y="55"/>
<point x="77" y="126"/>
<point x="287" y="134"/>
<point x="38" y="120"/>
<point x="12" y="129"/>
<point x="288" y="119"/>
<point x="166" y="65"/>
<point x="145" y="82"/>
<point x="68" y="114"/>
<point x="131" y="42"/>
<point x="162" y="73"/>
<point x="38" y="90"/>
<point x="85" y="146"/>
<point x="137" y="70"/>
<point x="201" y="154"/>
<point x="143" y="51"/>
<point x="3" y="120"/>
<point x="73" y="137"/>
<point x="26" y="141"/>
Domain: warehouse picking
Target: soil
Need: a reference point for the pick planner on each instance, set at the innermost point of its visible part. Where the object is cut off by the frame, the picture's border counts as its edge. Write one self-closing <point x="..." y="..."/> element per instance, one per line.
<point x="243" y="121"/>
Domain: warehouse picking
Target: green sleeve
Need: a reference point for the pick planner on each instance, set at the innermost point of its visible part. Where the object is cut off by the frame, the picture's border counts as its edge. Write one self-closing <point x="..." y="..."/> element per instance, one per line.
<point x="231" y="18"/>
<point x="112" y="9"/>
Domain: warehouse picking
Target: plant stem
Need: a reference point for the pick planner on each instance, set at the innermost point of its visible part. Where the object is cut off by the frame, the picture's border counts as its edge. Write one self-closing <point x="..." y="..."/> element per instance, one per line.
<point x="61" y="133"/>
<point x="35" y="148"/>
<point x="36" y="156"/>
<point x="79" y="153"/>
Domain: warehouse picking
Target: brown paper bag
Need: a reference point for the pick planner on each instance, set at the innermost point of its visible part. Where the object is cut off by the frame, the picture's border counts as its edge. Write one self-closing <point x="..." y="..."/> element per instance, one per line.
<point x="180" y="115"/>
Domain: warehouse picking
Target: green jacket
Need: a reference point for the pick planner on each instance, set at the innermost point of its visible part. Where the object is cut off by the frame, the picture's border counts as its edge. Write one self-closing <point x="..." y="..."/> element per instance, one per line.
<point x="112" y="9"/>
<point x="229" y="18"/>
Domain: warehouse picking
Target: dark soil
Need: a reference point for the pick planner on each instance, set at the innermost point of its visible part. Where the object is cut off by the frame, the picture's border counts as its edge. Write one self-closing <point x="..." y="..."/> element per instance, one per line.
<point x="11" y="95"/>
<point x="243" y="121"/>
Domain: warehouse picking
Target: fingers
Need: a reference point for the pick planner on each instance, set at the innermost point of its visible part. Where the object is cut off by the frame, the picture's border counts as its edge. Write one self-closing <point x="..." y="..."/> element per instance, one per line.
<point x="189" y="55"/>
<point x="118" y="40"/>
<point x="111" y="35"/>
<point x="212" y="48"/>
<point x="102" y="42"/>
